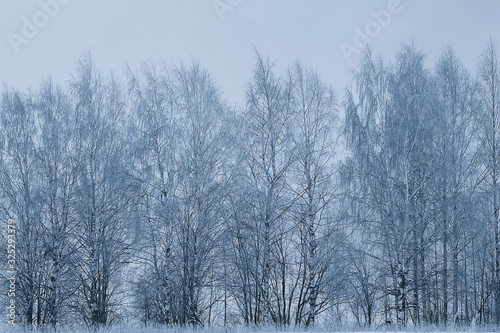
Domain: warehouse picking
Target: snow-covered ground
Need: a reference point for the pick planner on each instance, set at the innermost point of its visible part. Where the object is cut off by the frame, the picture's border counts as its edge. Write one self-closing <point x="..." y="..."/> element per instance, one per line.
<point x="6" y="328"/>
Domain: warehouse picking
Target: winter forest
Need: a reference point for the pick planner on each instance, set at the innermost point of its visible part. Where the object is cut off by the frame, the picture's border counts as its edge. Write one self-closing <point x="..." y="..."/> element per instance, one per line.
<point x="146" y="197"/>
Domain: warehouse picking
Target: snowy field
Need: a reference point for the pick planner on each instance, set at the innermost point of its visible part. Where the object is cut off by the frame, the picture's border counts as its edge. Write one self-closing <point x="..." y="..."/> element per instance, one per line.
<point x="5" y="328"/>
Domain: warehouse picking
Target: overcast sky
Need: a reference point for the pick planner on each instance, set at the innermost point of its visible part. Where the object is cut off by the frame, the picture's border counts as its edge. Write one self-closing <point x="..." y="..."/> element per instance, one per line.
<point x="46" y="37"/>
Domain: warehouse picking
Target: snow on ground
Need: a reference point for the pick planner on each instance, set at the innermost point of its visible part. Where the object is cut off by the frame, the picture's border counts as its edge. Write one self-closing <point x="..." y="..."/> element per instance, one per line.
<point x="7" y="328"/>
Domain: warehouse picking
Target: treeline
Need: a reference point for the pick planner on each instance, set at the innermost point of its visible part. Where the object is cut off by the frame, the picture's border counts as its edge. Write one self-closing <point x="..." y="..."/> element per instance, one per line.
<point x="152" y="200"/>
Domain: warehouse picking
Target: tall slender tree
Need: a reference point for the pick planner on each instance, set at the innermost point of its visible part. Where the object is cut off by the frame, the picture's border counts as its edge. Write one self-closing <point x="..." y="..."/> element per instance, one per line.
<point x="268" y="152"/>
<point x="102" y="191"/>
<point x="313" y="109"/>
<point x="56" y="173"/>
<point x="489" y="75"/>
<point x="21" y="199"/>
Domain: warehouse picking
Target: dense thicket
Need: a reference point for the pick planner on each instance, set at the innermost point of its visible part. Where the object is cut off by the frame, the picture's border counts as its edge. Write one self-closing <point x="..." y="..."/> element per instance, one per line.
<point x="153" y="199"/>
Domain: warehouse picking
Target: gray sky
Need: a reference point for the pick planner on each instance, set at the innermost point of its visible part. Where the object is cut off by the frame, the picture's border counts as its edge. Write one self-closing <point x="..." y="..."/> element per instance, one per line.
<point x="46" y="37"/>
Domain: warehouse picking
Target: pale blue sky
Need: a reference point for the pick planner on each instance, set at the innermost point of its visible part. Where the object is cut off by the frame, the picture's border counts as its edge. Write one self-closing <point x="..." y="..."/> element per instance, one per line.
<point x="119" y="31"/>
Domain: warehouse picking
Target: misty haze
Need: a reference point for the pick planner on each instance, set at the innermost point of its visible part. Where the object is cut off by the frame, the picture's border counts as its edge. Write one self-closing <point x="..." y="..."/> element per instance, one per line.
<point x="250" y="166"/>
